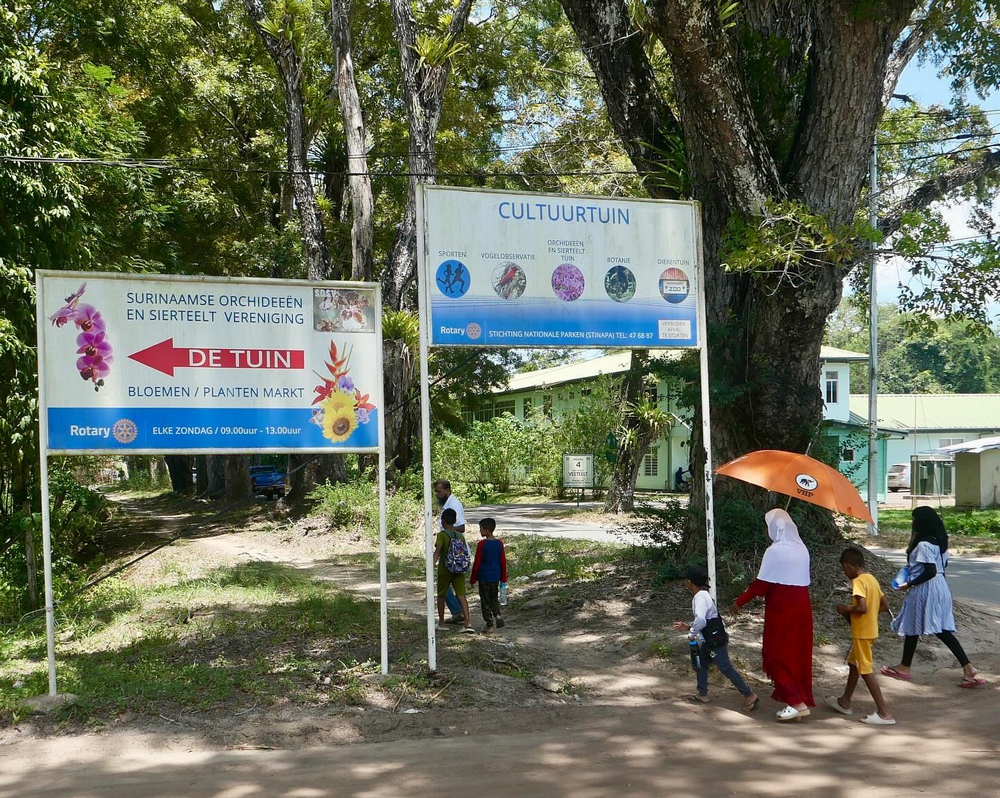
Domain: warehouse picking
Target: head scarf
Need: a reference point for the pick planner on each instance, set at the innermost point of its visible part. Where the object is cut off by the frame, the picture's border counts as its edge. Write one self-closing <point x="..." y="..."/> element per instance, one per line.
<point x="786" y="561"/>
<point x="927" y="525"/>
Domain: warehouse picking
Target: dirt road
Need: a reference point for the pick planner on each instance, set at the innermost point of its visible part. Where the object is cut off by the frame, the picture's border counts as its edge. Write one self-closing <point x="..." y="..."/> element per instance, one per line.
<point x="946" y="744"/>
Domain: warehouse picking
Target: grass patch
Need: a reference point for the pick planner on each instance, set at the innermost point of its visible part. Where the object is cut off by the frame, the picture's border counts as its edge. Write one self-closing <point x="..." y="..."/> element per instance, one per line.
<point x="975" y="531"/>
<point x="256" y="633"/>
<point x="579" y="560"/>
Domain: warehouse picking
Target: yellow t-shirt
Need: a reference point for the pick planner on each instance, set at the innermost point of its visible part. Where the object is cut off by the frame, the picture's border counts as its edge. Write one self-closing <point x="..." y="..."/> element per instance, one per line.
<point x="865" y="627"/>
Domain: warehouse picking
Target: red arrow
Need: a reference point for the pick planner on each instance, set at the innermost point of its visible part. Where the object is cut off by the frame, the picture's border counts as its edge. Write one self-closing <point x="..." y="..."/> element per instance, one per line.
<point x="165" y="357"/>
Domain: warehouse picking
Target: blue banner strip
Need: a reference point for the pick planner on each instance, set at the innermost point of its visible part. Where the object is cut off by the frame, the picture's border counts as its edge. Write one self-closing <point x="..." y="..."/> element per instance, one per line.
<point x="217" y="428"/>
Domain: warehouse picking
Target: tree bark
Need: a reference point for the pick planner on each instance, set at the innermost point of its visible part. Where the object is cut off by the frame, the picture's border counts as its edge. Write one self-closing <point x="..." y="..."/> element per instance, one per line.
<point x="359" y="181"/>
<point x="289" y="64"/>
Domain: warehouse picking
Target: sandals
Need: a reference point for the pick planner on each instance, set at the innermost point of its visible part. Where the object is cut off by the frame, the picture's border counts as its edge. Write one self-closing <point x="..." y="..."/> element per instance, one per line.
<point x="877" y="720"/>
<point x="971" y="684"/>
<point x="834" y="703"/>
<point x="790" y="713"/>
<point x="750" y="706"/>
<point x="892" y="673"/>
<point x="697" y="699"/>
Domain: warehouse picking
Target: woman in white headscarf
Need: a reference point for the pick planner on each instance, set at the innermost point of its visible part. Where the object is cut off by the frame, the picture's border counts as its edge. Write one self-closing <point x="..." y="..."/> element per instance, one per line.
<point x="783" y="582"/>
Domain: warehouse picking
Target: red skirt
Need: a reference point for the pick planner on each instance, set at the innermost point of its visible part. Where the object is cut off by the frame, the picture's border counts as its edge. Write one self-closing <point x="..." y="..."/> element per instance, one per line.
<point x="788" y="639"/>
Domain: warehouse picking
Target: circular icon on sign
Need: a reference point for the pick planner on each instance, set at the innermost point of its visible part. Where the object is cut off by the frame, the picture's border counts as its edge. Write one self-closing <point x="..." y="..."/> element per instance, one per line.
<point x="509" y="280"/>
<point x="125" y="430"/>
<point x="567" y="282"/>
<point x="619" y="283"/>
<point x="453" y="279"/>
<point x="674" y="286"/>
<point x="806" y="482"/>
<point x="473" y="330"/>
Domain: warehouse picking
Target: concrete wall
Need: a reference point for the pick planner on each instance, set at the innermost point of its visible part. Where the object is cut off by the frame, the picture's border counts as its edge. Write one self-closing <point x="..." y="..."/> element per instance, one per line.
<point x="977" y="479"/>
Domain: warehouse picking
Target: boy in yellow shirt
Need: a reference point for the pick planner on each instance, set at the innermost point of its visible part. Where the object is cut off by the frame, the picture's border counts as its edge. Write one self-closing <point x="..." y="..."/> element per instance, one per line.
<point x="867" y="600"/>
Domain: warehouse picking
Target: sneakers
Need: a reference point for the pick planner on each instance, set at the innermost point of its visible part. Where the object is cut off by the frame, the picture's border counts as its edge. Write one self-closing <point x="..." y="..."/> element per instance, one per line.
<point x="499" y="622"/>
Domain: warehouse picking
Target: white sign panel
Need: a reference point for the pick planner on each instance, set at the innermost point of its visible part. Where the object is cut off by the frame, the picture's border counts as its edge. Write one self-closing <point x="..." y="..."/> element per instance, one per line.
<point x="131" y="363"/>
<point x="578" y="471"/>
<point x="527" y="270"/>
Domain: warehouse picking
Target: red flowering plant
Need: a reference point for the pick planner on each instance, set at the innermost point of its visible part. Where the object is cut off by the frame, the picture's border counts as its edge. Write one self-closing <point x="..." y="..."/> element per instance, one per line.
<point x="96" y="354"/>
<point x="341" y="405"/>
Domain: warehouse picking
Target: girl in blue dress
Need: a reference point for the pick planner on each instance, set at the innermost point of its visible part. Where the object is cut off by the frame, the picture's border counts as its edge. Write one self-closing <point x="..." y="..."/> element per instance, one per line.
<point x="927" y="607"/>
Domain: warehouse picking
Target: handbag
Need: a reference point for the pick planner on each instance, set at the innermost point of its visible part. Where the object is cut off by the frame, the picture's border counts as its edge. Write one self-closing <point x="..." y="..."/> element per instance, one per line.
<point x="715" y="633"/>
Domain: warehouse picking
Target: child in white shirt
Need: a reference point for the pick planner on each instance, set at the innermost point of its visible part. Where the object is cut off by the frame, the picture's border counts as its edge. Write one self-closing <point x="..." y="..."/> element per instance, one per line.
<point x="704" y="610"/>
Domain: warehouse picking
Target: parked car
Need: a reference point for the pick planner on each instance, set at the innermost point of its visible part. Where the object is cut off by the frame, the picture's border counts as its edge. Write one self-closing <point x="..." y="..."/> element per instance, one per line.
<point x="267" y="480"/>
<point x="899" y="477"/>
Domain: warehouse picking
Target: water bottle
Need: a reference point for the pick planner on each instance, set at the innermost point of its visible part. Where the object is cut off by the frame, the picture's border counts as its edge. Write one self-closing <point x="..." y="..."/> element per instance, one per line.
<point x="695" y="650"/>
<point x="503" y="594"/>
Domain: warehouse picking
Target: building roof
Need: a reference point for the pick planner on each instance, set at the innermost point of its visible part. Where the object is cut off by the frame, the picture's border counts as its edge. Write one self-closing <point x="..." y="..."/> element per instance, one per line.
<point x="934" y="412"/>
<point x="973" y="447"/>
<point x="618" y="363"/>
<point x="859" y="420"/>
<point x="830" y="354"/>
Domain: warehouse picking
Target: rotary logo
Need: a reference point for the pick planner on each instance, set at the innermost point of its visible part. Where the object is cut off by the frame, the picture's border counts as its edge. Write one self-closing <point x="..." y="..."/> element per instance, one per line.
<point x="473" y="330"/>
<point x="125" y="430"/>
<point x="806" y="482"/>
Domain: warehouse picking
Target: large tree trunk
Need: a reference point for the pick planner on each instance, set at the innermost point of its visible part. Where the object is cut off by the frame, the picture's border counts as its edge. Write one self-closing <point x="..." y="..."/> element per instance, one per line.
<point x="400" y="380"/>
<point x="632" y="442"/>
<point x="362" y="199"/>
<point x="179" y="468"/>
<point x="237" y="478"/>
<point x="765" y="325"/>
<point x="423" y="91"/>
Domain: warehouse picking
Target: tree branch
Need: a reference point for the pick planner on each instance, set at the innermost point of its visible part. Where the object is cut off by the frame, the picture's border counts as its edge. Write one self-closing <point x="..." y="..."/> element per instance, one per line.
<point x="920" y="31"/>
<point x="937" y="188"/>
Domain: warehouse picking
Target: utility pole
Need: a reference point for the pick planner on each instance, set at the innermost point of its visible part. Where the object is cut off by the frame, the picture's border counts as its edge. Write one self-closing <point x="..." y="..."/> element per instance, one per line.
<point x="873" y="351"/>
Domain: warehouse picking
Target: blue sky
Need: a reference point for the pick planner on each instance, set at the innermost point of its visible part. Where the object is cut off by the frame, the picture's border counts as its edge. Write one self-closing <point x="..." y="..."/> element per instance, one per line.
<point x="922" y="84"/>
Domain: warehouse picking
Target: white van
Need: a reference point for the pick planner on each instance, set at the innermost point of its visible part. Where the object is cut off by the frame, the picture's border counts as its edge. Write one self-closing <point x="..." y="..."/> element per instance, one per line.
<point x="899" y="477"/>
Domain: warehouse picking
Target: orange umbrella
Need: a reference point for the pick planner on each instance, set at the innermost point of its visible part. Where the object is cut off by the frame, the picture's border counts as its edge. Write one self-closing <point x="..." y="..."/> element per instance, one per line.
<point x="799" y="476"/>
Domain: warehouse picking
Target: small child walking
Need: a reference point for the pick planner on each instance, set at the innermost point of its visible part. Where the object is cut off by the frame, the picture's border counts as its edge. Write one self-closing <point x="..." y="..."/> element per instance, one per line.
<point x="867" y="601"/>
<point x="707" y="627"/>
<point x="490" y="569"/>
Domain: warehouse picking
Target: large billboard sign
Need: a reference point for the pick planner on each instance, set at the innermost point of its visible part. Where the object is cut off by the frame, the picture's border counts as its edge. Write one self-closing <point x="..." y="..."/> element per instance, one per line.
<point x="529" y="270"/>
<point x="157" y="364"/>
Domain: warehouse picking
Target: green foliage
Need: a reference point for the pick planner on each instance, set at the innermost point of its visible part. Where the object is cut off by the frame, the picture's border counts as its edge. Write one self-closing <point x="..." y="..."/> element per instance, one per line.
<point x="354" y="506"/>
<point x="402" y="325"/>
<point x="917" y="355"/>
<point x="788" y="241"/>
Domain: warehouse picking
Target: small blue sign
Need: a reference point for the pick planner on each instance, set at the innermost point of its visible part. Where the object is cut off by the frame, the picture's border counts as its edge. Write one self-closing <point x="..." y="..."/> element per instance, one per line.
<point x="453" y="279"/>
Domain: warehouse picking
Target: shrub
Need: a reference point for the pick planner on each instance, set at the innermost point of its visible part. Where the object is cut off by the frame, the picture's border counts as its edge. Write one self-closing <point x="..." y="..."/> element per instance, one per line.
<point x="354" y="506"/>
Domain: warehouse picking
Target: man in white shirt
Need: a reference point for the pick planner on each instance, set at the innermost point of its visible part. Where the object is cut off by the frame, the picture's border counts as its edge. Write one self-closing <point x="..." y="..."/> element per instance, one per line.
<point x="442" y="490"/>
